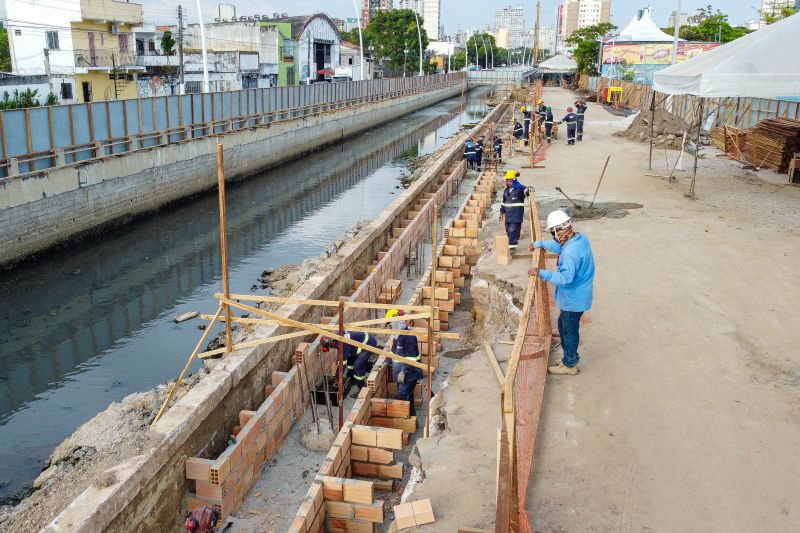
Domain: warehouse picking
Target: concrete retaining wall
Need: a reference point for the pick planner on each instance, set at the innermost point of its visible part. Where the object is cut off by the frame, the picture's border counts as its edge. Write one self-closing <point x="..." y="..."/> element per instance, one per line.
<point x="146" y="492"/>
<point x="40" y="211"/>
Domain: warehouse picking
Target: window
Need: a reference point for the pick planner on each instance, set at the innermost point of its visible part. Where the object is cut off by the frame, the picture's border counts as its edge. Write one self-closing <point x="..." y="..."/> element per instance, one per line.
<point x="123" y="42"/>
<point x="351" y="60"/>
<point x="66" y="91"/>
<point x="52" y="40"/>
<point x="17" y="32"/>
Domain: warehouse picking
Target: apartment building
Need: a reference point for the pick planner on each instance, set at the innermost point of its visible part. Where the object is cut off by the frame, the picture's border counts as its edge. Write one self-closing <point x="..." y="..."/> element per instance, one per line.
<point x="512" y="19"/>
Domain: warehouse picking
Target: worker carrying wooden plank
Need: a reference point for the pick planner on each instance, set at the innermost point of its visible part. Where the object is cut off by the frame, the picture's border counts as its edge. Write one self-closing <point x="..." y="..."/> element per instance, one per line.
<point x="512" y="210"/>
<point x="574" y="282"/>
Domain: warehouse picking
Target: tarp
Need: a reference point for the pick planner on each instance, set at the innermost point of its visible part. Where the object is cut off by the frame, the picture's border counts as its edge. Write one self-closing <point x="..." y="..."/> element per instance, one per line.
<point x="762" y="64"/>
<point x="643" y="30"/>
<point x="559" y="63"/>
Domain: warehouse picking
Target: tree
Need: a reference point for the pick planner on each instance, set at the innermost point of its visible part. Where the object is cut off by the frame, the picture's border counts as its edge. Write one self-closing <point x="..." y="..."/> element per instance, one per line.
<point x="392" y="32"/>
<point x="167" y="43"/>
<point x="51" y="99"/>
<point x="5" y="54"/>
<point x="771" y="18"/>
<point x="587" y="46"/>
<point x="485" y="49"/>
<point x="711" y="26"/>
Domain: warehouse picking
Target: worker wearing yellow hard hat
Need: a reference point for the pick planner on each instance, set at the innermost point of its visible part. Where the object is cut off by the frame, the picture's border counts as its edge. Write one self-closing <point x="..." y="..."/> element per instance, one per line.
<point x="512" y="210"/>
<point x="526" y="114"/>
<point x="406" y="376"/>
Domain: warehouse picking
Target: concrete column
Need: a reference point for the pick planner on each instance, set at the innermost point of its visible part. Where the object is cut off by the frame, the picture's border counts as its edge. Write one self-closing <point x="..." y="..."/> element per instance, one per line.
<point x="61" y="159"/>
<point x="100" y="148"/>
<point x="133" y="142"/>
<point x="163" y="138"/>
<point x="13" y="167"/>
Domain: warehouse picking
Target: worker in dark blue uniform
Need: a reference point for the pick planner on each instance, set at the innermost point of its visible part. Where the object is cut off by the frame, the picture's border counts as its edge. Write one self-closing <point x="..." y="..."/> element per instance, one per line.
<point x="542" y="112"/>
<point x="571" y="120"/>
<point x="356" y="359"/>
<point x="518" y="130"/>
<point x="498" y="148"/>
<point x="479" y="152"/>
<point x="470" y="154"/>
<point x="548" y="124"/>
<point x="580" y="111"/>
<point x="406" y="376"/>
<point x="526" y="119"/>
<point x="512" y="210"/>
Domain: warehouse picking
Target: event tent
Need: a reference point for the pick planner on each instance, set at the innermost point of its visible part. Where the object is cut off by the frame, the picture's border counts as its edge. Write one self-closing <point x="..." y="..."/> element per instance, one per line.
<point x="559" y="63"/>
<point x="762" y="64"/>
<point x="643" y="29"/>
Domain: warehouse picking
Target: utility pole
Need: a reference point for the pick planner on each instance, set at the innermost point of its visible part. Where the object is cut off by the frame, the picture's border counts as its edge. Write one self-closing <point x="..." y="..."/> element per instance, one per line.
<point x="536" y="35"/>
<point x="114" y="73"/>
<point x="47" y="68"/>
<point x="180" y="49"/>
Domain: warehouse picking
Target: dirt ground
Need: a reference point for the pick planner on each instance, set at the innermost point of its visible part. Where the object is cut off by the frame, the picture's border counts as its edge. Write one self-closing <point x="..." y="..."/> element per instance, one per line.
<point x="686" y="413"/>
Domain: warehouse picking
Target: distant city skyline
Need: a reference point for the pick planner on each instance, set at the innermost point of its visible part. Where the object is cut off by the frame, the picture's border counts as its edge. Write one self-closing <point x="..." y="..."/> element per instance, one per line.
<point x="471" y="14"/>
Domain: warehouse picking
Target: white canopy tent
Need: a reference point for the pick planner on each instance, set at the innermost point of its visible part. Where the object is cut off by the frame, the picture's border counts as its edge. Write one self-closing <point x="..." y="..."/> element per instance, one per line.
<point x="762" y="64"/>
<point x="559" y="63"/>
<point x="643" y="30"/>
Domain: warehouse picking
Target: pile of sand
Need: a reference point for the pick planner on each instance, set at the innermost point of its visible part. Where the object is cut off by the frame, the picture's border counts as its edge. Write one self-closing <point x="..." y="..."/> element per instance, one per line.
<point x="668" y="129"/>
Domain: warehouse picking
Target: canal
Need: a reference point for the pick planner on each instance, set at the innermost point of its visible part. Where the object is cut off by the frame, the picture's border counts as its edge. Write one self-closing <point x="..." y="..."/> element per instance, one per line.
<point x="91" y="324"/>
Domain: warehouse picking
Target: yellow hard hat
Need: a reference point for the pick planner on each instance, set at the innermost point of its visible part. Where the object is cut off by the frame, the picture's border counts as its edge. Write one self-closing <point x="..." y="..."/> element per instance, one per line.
<point x="511" y="174"/>
<point x="539" y="102"/>
<point x="522" y="109"/>
<point x="391" y="313"/>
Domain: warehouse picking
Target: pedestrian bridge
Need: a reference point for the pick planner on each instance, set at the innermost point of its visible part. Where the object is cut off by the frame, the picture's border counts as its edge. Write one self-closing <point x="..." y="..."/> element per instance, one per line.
<point x="500" y="76"/>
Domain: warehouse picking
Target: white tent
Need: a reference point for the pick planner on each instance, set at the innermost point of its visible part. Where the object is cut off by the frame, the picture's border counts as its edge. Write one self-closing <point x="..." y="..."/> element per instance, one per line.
<point x="762" y="64"/>
<point x="559" y="63"/>
<point x="643" y="30"/>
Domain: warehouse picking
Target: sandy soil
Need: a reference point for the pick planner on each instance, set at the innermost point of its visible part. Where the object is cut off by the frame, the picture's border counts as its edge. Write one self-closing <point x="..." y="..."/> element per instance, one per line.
<point x="686" y="413"/>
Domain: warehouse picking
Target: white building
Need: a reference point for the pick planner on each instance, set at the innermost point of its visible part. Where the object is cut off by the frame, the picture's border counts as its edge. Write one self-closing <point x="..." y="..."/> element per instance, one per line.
<point x="513" y="19"/>
<point x="431" y="13"/>
<point x="34" y="26"/>
<point x="683" y="19"/>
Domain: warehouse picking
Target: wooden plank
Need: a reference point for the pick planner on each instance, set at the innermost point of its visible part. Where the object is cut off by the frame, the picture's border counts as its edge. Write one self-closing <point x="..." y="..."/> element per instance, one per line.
<point x="325" y="303"/>
<point x="493" y="361"/>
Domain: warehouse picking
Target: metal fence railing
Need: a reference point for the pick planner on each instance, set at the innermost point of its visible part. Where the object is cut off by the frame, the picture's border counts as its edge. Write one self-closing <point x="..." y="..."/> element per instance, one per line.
<point x="40" y="138"/>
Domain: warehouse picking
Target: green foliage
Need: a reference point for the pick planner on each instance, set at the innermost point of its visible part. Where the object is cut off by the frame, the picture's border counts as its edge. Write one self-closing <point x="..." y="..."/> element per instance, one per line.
<point x="350" y="36"/>
<point x="20" y="100"/>
<point x="769" y="18"/>
<point x="713" y="27"/>
<point x="392" y="32"/>
<point x="51" y="99"/>
<point x="168" y="43"/>
<point x="5" y="53"/>
<point x="458" y="60"/>
<point x="587" y="46"/>
<point x="484" y="43"/>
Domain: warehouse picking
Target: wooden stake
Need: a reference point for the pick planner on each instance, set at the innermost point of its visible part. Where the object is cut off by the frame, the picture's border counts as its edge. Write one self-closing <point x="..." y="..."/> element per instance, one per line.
<point x="223" y="245"/>
<point x="434" y="234"/>
<point x="341" y="366"/>
<point x="196" y="350"/>
<point x="599" y="181"/>
<point x="493" y="361"/>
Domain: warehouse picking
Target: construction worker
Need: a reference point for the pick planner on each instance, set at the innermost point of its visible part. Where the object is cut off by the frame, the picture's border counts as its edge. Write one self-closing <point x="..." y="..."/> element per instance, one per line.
<point x="497" y="146"/>
<point x="580" y="111"/>
<point x="571" y="120"/>
<point x="518" y="129"/>
<point x="470" y="154"/>
<point x="526" y="119"/>
<point x="479" y="152"/>
<point x="573" y="281"/>
<point x="356" y="359"/>
<point x="512" y="210"/>
<point x="406" y="376"/>
<point x="542" y="112"/>
<point x="548" y="124"/>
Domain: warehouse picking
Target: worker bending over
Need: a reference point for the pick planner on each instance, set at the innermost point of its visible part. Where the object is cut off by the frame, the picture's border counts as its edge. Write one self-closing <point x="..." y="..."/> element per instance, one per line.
<point x="356" y="359"/>
<point x="518" y="130"/>
<point x="512" y="210"/>
<point x="571" y="120"/>
<point x="573" y="281"/>
<point x="406" y="376"/>
<point x="470" y="154"/>
<point x="580" y="111"/>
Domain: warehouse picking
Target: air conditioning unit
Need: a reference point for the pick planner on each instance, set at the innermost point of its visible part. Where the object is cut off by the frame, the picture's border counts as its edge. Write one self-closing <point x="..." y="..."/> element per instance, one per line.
<point x="116" y="29"/>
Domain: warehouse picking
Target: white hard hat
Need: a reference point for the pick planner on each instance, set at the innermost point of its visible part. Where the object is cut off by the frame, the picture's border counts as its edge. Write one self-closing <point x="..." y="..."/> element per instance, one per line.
<point x="556" y="218"/>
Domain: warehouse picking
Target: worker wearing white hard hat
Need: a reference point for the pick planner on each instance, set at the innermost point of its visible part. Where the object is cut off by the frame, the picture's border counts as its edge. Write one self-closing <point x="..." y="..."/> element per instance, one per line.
<point x="573" y="280"/>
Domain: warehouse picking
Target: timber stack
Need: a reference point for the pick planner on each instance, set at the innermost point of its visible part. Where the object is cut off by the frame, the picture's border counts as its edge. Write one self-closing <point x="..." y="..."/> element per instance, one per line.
<point x="773" y="143"/>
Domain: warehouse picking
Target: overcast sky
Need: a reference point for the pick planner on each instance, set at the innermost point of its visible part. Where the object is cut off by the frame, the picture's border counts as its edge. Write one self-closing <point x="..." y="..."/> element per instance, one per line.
<point x="470" y="13"/>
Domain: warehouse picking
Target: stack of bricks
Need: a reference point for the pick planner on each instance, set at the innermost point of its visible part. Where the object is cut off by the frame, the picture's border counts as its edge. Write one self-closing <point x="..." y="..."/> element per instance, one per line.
<point x="390" y="413"/>
<point x="372" y="452"/>
<point x="390" y="292"/>
<point x="414" y="514"/>
<point x="223" y="483"/>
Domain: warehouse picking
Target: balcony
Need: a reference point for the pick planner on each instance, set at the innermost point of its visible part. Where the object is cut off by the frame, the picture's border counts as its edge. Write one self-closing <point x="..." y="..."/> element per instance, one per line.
<point x="111" y="11"/>
<point x="155" y="59"/>
<point x="104" y="60"/>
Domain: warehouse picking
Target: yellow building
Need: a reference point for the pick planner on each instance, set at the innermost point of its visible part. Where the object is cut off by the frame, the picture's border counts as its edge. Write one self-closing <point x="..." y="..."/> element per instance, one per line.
<point x="105" y="50"/>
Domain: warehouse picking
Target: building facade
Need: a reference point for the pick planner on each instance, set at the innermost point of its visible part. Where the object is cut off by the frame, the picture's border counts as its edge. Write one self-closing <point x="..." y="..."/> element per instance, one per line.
<point x="513" y="19"/>
<point x="370" y="7"/>
<point x="431" y="13"/>
<point x="574" y="14"/>
<point x="682" y="19"/>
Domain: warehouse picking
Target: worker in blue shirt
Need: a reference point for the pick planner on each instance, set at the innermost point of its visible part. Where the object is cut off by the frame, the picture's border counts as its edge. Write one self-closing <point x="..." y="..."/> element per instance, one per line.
<point x="518" y="130"/>
<point x="542" y="112"/>
<point x="573" y="281"/>
<point x="512" y="210"/>
<point x="526" y="119"/>
<point x="498" y="148"/>
<point x="470" y="154"/>
<point x="479" y="152"/>
<point x="356" y="359"/>
<point x="548" y="124"/>
<point x="406" y="376"/>
<point x="571" y="120"/>
<point x="580" y="111"/>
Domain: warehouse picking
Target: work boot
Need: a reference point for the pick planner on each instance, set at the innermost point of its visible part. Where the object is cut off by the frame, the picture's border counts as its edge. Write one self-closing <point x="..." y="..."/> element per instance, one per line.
<point x="563" y="370"/>
<point x="356" y="392"/>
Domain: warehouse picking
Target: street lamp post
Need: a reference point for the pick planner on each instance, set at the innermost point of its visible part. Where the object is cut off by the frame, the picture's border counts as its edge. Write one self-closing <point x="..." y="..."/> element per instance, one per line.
<point x="360" y="41"/>
<point x="419" y="35"/>
<point x="371" y="49"/>
<point x="203" y="46"/>
<point x="405" y="58"/>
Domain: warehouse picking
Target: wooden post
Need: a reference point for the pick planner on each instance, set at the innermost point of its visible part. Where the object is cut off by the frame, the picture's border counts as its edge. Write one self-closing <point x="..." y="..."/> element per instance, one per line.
<point x="340" y="366"/>
<point x="530" y="148"/>
<point x="223" y="245"/>
<point x="431" y="318"/>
